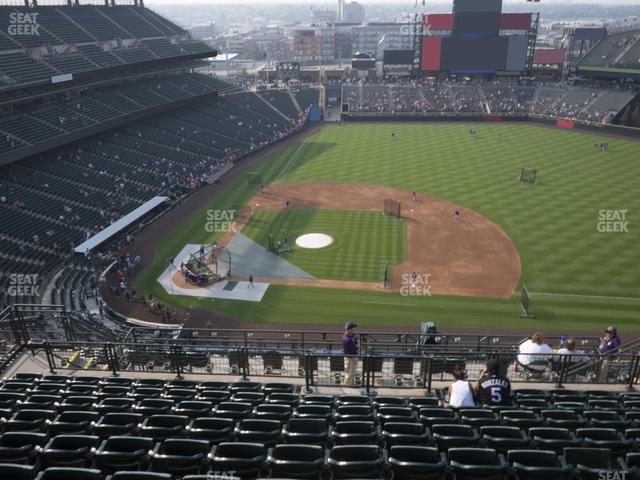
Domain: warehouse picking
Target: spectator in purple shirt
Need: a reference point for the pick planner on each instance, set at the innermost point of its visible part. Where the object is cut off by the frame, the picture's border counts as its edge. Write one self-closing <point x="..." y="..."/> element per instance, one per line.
<point x="350" y="348"/>
<point x="610" y="342"/>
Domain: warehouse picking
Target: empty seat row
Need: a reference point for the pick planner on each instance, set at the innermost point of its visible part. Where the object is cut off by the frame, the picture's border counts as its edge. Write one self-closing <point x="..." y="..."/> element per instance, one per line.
<point x="131" y="457"/>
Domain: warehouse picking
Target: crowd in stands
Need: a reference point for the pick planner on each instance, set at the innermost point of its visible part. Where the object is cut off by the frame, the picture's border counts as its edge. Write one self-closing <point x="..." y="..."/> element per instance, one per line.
<point x="77" y="190"/>
<point x="559" y="100"/>
<point x="534" y="355"/>
<point x="619" y="50"/>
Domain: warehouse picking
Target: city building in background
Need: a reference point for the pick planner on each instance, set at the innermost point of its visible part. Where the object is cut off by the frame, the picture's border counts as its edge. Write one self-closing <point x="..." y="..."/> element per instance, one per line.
<point x="375" y="38"/>
<point x="353" y="13"/>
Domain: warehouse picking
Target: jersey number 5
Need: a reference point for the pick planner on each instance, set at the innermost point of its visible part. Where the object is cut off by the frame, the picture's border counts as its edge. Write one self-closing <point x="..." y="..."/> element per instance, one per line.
<point x="496" y="395"/>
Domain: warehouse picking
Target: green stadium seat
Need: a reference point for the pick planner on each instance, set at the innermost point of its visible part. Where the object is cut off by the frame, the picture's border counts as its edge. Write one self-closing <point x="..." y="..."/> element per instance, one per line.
<point x="409" y="462"/>
<point x="64" y="473"/>
<point x="313" y="410"/>
<point x="234" y="410"/>
<point x="589" y="463"/>
<point x="267" y="432"/>
<point x="477" y="464"/>
<point x="430" y="416"/>
<point x="356" y="461"/>
<point x="538" y="465"/>
<point x="214" y="396"/>
<point x="448" y="436"/>
<point x="604" y="438"/>
<point x="17" y="472"/>
<point x="20" y="447"/>
<point x="317" y="399"/>
<point x="354" y="433"/>
<point x="273" y="411"/>
<point x="247" y="460"/>
<point x="192" y="408"/>
<point x="161" y="427"/>
<point x="213" y="430"/>
<point x="153" y="406"/>
<point x="353" y="412"/>
<point x="29" y="420"/>
<point x="395" y="414"/>
<point x="68" y="451"/>
<point x="178" y="456"/>
<point x="478" y="417"/>
<point x="556" y="439"/>
<point x="296" y="461"/>
<point x="404" y="433"/>
<point x="139" y="476"/>
<point x="563" y="418"/>
<point x="113" y="424"/>
<point x="310" y="431"/>
<point x="124" y="453"/>
<point x="521" y="418"/>
<point x="503" y="438"/>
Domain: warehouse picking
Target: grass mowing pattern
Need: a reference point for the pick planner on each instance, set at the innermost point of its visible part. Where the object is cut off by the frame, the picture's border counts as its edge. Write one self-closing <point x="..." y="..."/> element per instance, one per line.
<point x="363" y="241"/>
<point x="553" y="224"/>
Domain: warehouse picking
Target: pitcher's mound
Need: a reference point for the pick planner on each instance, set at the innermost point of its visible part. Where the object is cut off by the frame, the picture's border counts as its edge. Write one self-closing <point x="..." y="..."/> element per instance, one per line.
<point x="314" y="240"/>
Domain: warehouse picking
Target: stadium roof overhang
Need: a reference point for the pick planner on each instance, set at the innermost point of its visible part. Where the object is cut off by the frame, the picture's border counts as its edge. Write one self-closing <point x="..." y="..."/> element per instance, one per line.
<point x="121" y="225"/>
<point x="609" y="72"/>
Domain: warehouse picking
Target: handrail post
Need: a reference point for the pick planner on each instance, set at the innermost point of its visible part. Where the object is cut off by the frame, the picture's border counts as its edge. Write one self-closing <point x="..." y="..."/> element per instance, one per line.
<point x="108" y="353"/>
<point x="244" y="362"/>
<point x="563" y="369"/>
<point x="49" y="354"/>
<point x="307" y="364"/>
<point x="366" y="370"/>
<point x="177" y="359"/>
<point x="429" y="372"/>
<point x="633" y="372"/>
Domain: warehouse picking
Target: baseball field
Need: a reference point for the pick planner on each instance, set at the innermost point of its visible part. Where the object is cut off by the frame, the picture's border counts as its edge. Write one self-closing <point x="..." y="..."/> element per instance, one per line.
<point x="571" y="238"/>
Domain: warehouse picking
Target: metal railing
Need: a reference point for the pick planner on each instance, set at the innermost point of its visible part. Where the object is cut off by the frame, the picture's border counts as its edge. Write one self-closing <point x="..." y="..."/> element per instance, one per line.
<point x="388" y="370"/>
<point x="331" y="341"/>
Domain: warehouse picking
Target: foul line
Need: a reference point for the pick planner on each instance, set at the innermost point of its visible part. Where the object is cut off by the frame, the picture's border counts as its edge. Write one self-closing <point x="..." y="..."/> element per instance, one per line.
<point x="390" y="303"/>
<point x="577" y="295"/>
<point x="291" y="159"/>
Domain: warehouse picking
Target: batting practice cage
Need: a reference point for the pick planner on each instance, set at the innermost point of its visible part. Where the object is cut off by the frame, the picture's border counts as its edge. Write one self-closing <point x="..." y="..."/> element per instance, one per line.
<point x="528" y="175"/>
<point x="392" y="207"/>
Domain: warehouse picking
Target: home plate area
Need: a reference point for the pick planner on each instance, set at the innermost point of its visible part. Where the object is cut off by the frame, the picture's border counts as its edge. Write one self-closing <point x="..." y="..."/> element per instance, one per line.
<point x="244" y="258"/>
<point x="172" y="280"/>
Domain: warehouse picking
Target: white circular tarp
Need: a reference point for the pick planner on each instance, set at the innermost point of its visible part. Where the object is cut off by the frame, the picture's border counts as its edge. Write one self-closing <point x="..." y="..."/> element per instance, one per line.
<point x="314" y="240"/>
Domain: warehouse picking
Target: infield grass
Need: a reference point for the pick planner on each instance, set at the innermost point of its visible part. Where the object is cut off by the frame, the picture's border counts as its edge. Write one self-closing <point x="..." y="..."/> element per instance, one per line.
<point x="582" y="279"/>
<point x="363" y="242"/>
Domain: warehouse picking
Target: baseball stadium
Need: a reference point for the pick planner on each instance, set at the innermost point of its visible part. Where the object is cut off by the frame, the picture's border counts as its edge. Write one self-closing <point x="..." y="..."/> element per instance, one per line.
<point x="406" y="268"/>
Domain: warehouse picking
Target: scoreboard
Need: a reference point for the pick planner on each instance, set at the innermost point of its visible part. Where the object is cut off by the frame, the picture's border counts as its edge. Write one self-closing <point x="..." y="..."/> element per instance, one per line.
<point x="477" y="38"/>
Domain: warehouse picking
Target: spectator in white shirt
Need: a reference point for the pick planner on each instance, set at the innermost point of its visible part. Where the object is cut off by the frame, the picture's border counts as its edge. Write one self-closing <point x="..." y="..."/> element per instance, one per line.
<point x="533" y="350"/>
<point x="570" y="349"/>
<point x="460" y="391"/>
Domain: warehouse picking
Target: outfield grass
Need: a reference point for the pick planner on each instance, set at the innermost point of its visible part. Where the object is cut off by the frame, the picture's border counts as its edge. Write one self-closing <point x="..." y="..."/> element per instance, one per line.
<point x="582" y="278"/>
<point x="363" y="242"/>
